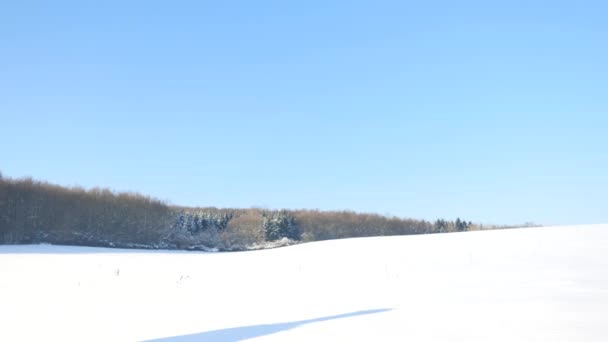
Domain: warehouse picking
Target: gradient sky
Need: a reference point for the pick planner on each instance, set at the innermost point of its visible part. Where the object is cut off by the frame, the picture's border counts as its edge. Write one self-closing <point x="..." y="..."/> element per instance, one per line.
<point x="495" y="111"/>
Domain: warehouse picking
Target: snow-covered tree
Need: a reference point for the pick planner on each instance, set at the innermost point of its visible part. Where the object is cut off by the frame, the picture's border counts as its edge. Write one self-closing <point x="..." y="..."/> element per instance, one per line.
<point x="280" y="224"/>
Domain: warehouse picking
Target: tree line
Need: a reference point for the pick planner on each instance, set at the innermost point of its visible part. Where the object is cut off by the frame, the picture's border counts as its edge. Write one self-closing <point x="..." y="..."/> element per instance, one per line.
<point x="39" y="212"/>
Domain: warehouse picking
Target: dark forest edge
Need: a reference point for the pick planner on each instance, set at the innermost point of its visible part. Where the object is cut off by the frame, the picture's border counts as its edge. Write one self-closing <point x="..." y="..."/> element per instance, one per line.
<point x="33" y="212"/>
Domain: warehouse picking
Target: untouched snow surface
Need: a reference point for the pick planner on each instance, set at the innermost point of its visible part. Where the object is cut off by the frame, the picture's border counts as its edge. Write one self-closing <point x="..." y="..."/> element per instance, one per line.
<point x="533" y="284"/>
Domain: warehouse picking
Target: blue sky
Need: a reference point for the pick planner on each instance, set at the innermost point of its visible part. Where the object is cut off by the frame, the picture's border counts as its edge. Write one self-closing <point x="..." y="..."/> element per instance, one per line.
<point x="495" y="111"/>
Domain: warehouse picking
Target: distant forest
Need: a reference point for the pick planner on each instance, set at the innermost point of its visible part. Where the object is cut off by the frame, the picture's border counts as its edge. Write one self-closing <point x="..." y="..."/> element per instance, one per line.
<point x="38" y="212"/>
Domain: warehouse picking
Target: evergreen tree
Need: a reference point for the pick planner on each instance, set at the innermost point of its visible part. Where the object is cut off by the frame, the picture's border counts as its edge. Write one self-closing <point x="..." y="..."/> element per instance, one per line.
<point x="280" y="224"/>
<point x="441" y="226"/>
<point x="460" y="225"/>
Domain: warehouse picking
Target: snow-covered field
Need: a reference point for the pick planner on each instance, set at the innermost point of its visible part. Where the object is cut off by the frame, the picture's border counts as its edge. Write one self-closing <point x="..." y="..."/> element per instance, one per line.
<point x="534" y="284"/>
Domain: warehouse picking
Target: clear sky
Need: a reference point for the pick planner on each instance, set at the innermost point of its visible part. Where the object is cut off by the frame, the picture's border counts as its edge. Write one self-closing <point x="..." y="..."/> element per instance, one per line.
<point x="495" y="111"/>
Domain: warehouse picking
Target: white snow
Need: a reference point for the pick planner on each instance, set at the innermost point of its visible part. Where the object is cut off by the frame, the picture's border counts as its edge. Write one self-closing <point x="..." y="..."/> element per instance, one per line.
<point x="533" y="284"/>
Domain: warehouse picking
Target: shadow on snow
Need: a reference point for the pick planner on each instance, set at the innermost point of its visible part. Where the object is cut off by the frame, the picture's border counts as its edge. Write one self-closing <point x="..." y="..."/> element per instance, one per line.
<point x="247" y="332"/>
<point x="67" y="249"/>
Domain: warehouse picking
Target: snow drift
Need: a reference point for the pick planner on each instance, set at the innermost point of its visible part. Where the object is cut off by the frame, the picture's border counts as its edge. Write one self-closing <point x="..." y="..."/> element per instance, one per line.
<point x="533" y="284"/>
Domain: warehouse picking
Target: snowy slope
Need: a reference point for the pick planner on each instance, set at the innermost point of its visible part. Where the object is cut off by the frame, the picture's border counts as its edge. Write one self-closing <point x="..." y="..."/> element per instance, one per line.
<point x="534" y="284"/>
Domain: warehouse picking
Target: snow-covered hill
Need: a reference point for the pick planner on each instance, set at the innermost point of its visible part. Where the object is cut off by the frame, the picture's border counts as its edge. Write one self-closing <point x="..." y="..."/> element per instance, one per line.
<point x="534" y="284"/>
